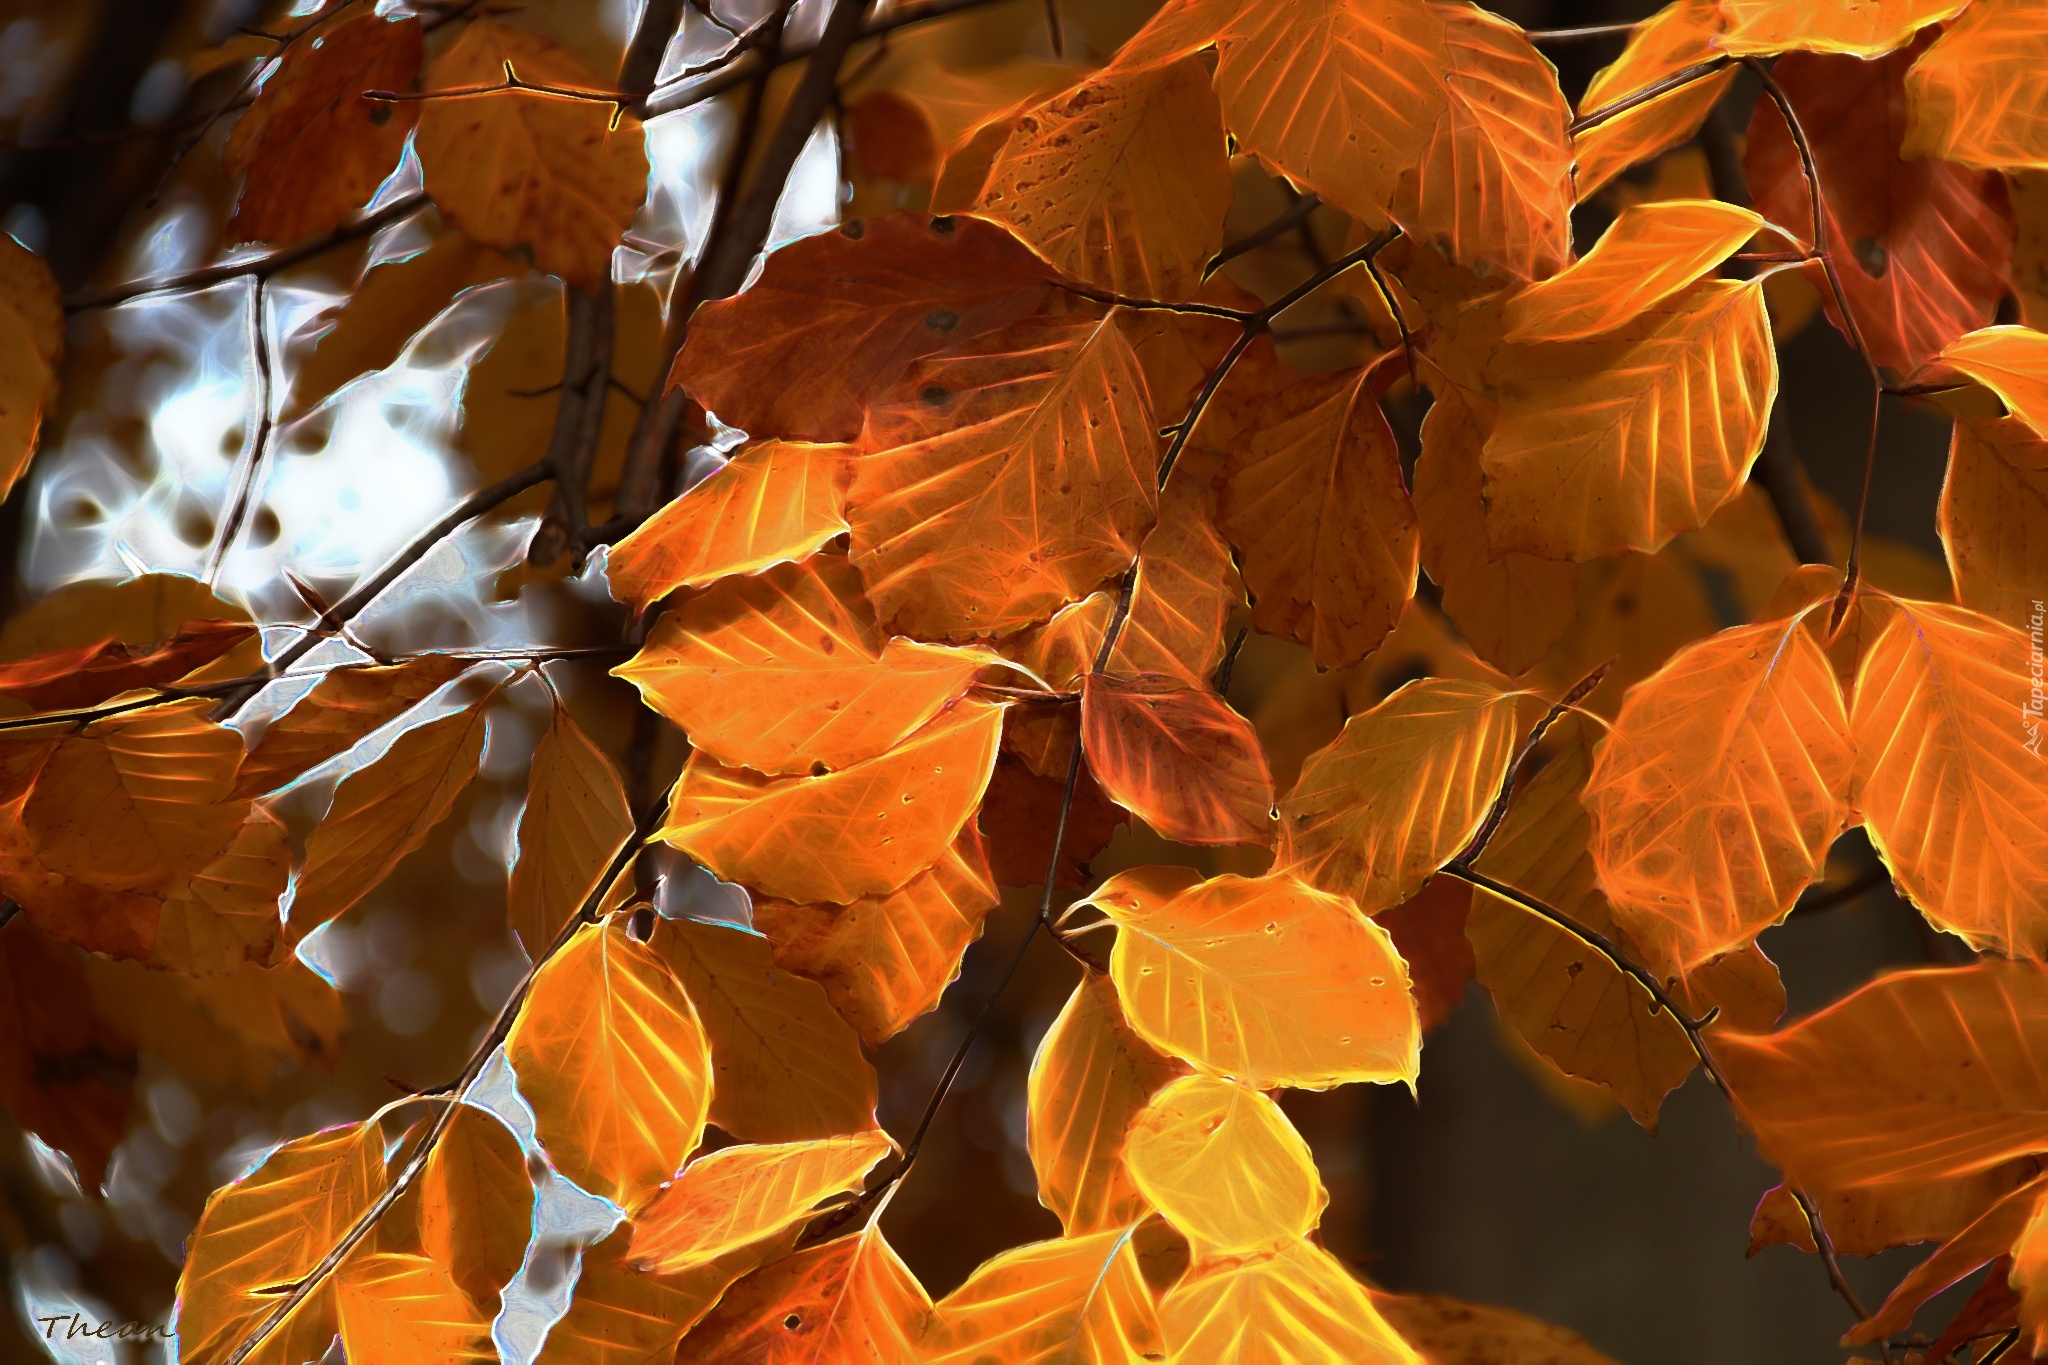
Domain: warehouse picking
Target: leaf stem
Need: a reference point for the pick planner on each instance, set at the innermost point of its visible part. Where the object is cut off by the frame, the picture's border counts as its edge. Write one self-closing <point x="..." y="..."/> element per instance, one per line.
<point x="1677" y="80"/>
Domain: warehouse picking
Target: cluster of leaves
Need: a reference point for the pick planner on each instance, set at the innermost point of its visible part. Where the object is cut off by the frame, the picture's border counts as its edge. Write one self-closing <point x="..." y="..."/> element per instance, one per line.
<point x="958" y="610"/>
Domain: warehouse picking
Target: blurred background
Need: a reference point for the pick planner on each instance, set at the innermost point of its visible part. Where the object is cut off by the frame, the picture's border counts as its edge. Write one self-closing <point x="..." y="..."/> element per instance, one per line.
<point x="1502" y="1183"/>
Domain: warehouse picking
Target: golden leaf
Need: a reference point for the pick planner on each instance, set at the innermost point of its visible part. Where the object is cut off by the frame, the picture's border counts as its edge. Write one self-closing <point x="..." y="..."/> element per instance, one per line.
<point x="1225" y="1167"/>
<point x="1978" y="97"/>
<point x="737" y="1196"/>
<point x="1295" y="1307"/>
<point x="1859" y="28"/>
<point x="1650" y="252"/>
<point x="609" y="1054"/>
<point x="575" y="821"/>
<point x="476" y="1204"/>
<point x="1678" y="36"/>
<point x="2013" y="363"/>
<point x="621" y="1315"/>
<point x="1266" y="979"/>
<point x="395" y="1306"/>
<point x="2007" y="1225"/>
<point x="1077" y="1299"/>
<point x="848" y="1302"/>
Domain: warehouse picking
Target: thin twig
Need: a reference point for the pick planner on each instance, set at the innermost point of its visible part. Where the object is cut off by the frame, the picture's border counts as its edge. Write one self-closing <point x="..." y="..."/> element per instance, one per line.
<point x="1579" y="691"/>
<point x="1056" y="30"/>
<point x="1295" y="213"/>
<point x="1194" y="306"/>
<point x="248" y="473"/>
<point x="1576" y="35"/>
<point x="1677" y="80"/>
<point x="579" y="420"/>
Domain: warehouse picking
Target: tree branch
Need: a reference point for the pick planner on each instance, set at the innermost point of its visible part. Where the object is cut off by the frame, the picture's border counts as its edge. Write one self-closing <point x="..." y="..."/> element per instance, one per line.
<point x="249" y="469"/>
<point x="579" y="420"/>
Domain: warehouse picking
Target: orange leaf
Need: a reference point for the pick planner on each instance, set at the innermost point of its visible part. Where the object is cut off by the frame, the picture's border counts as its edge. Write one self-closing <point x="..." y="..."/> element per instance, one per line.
<point x="1266" y="979"/>
<point x="344" y="706"/>
<point x="1510" y="608"/>
<point x="1399" y="792"/>
<point x="1649" y="253"/>
<point x="1719" y="789"/>
<point x="313" y="148"/>
<point x="1447" y="1329"/>
<point x="476" y="1204"/>
<point x="1977" y="97"/>
<point x="576" y="819"/>
<point x="1994" y="517"/>
<point x="1680" y="35"/>
<point x="1177" y="757"/>
<point x="1073" y="1299"/>
<point x="609" y="1054"/>
<point x="1859" y="28"/>
<point x="31" y="349"/>
<point x="1339" y="96"/>
<point x="1185" y="591"/>
<point x="848" y="1302"/>
<point x="2029" y="1279"/>
<point x="785" y="1066"/>
<point x="1225" y="1167"/>
<point x="1004" y="480"/>
<point x="1092" y="1075"/>
<point x="559" y="175"/>
<point x="1622" y="441"/>
<point x="1315" y="502"/>
<point x="1923" y="248"/>
<point x="267" y="1229"/>
<point x="850" y="311"/>
<point x="396" y="1306"/>
<point x="2013" y="363"/>
<point x="787" y="670"/>
<point x="1020" y="812"/>
<point x="1298" y="1305"/>
<point x="1493" y="185"/>
<point x="68" y="678"/>
<point x="864" y="830"/>
<point x="1949" y="779"/>
<point x="884" y="959"/>
<point x="773" y="502"/>
<point x="2006" y="1226"/>
<point x="739" y="1195"/>
<point x="1122" y="181"/>
<point x="66" y="1070"/>
<point x="383" y="812"/>
<point x="621" y="1315"/>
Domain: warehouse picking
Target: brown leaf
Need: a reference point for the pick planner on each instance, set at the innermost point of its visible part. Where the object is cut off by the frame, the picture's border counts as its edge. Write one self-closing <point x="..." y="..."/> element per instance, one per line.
<point x="576" y="819"/>
<point x="1428" y="930"/>
<point x="476" y="1204"/>
<point x="31" y="349"/>
<point x="851" y="1302"/>
<point x="344" y="706"/>
<point x="67" y="1071"/>
<point x="1020" y="811"/>
<point x="1177" y="757"/>
<point x="76" y="678"/>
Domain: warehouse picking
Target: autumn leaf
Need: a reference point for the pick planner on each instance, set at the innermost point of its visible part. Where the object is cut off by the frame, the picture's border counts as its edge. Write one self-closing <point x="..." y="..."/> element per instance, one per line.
<point x="383" y="812"/>
<point x="1077" y="1298"/>
<point x="848" y="1302"/>
<point x="1317" y="507"/>
<point x="623" y="1315"/>
<point x="1621" y="441"/>
<point x="612" y="1059"/>
<point x="269" y="1228"/>
<point x="1091" y="1076"/>
<point x="1121" y="182"/>
<point x="2013" y="363"/>
<point x="1948" y="779"/>
<point x="343" y="707"/>
<point x="1185" y="590"/>
<point x="66" y="1073"/>
<point x="313" y="148"/>
<point x="1177" y="757"/>
<point x="785" y="1067"/>
<point x="1428" y="930"/>
<point x="1339" y="96"/>
<point x="2001" y="1228"/>
<point x="575" y="822"/>
<point x="999" y="482"/>
<point x="737" y="1196"/>
<point x="1650" y="252"/>
<point x="1767" y="27"/>
<point x="1976" y="97"/>
<point x="75" y="678"/>
<point x="1447" y="1329"/>
<point x="398" y="1306"/>
<point x="1266" y="979"/>
<point x="1399" y="792"/>
<point x="1923" y="248"/>
<point x="1680" y="35"/>
<point x="1020" y="815"/>
<point x="773" y="502"/>
<point x="850" y="311"/>
<point x="476" y="1204"/>
<point x="1493" y="184"/>
<point x="1225" y="1167"/>
<point x="864" y="830"/>
<point x="1994" y="517"/>
<point x="788" y="669"/>
<point x="557" y="174"/>
<point x="1298" y="1304"/>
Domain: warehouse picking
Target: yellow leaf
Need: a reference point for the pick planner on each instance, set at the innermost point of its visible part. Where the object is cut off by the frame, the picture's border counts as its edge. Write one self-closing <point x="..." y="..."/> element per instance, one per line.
<point x="1339" y="96"/>
<point x="998" y="483"/>
<point x="344" y="706"/>
<point x="1295" y="1307"/>
<point x="1994" y="517"/>
<point x="848" y="1302"/>
<point x="1224" y="1166"/>
<point x="1121" y="182"/>
<point x="1074" y="1301"/>
<point x="609" y="1053"/>
<point x="1861" y="28"/>
<point x="1315" y="502"/>
<point x="737" y="1196"/>
<point x="1266" y="979"/>
<point x="1178" y="757"/>
<point x="884" y="959"/>
<point x="1447" y="1330"/>
<point x="788" y="669"/>
<point x="1399" y="792"/>
<point x="1622" y="441"/>
<point x="575" y="820"/>
<point x="785" y="1066"/>
<point x="1978" y="96"/>
<point x="864" y="830"/>
<point x="268" y="1229"/>
<point x="1649" y="253"/>
<point x="774" y="501"/>
<point x="1092" y="1075"/>
<point x="1947" y="721"/>
<point x="476" y="1204"/>
<point x="402" y="1308"/>
<point x="383" y="812"/>
<point x="1675" y="37"/>
<point x="562" y="176"/>
<point x="31" y="348"/>
<point x="2013" y="363"/>
<point x="1493" y="185"/>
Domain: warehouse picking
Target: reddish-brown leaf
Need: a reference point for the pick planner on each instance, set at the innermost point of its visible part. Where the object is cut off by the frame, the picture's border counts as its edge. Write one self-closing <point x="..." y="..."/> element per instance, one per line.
<point x="1178" y="757"/>
<point x="576" y="819"/>
<point x="67" y="1072"/>
<point x="849" y="1302"/>
<point x="1022" y="808"/>
<point x="74" y="678"/>
<point x="343" y="707"/>
<point x="1428" y="930"/>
